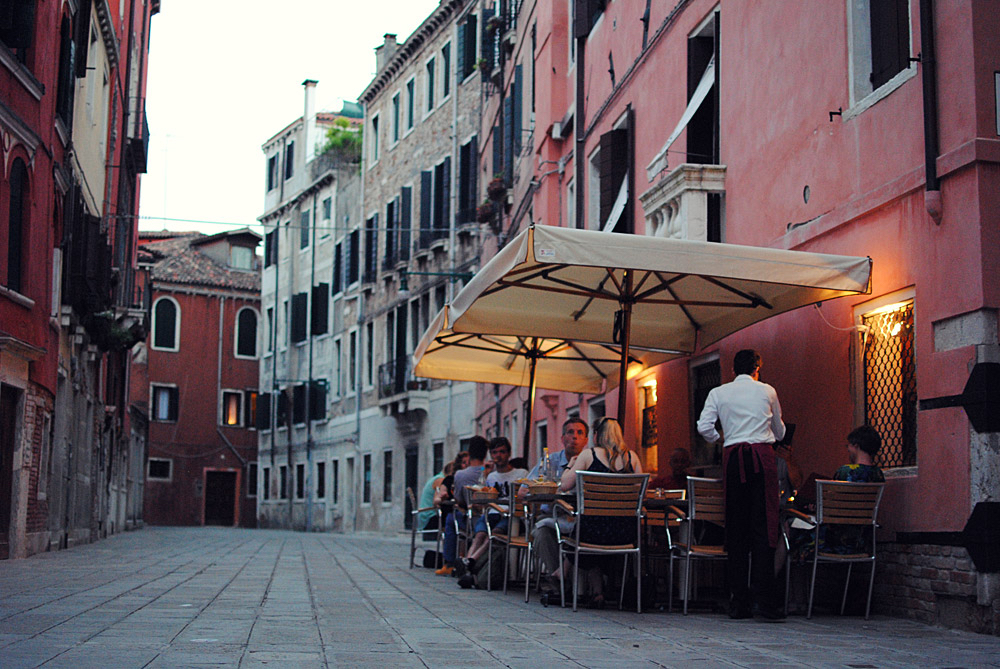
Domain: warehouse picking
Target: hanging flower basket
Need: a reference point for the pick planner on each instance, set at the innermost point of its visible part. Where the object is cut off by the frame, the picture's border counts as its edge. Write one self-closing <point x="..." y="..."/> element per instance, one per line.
<point x="496" y="189"/>
<point x="485" y="212"/>
<point x="493" y="24"/>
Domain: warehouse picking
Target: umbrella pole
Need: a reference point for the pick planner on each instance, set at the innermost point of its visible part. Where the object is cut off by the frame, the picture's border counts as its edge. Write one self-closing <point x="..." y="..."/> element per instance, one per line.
<point x="531" y="408"/>
<point x="626" y="334"/>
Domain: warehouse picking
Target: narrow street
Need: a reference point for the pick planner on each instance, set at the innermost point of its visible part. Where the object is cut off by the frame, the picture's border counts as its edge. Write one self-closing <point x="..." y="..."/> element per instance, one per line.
<point x="195" y="597"/>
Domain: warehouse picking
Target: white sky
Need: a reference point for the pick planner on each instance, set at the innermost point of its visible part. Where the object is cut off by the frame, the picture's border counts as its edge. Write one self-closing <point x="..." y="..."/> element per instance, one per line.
<point x="225" y="75"/>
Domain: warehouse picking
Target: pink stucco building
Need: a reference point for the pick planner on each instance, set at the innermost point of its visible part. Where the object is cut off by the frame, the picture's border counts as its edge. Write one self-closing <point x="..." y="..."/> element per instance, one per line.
<point x="848" y="127"/>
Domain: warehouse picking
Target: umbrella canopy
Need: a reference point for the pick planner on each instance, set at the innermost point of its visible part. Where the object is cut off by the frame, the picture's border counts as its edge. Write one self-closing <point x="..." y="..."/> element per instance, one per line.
<point x="534" y="362"/>
<point x="559" y="364"/>
<point x="643" y="291"/>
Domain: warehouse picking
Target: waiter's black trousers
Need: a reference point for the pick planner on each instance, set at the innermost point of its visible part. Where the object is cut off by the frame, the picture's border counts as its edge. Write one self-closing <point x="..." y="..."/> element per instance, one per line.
<point x="746" y="533"/>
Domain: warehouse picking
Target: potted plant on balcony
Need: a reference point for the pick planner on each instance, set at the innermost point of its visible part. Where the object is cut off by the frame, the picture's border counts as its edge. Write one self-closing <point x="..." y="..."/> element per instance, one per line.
<point x="493" y="24"/>
<point x="496" y="189"/>
<point x="485" y="212"/>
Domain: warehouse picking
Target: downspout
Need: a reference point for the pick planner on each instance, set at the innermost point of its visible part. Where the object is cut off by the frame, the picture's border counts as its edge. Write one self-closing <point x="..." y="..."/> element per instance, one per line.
<point x="357" y="352"/>
<point x="309" y="386"/>
<point x="932" y="192"/>
<point x="579" y="127"/>
<point x="454" y="217"/>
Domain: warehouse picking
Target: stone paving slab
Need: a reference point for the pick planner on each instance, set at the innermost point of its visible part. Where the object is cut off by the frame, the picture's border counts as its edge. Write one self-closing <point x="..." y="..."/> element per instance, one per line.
<point x="213" y="597"/>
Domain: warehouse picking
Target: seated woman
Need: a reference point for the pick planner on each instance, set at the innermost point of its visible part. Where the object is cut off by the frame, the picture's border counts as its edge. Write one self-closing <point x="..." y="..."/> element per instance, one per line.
<point x="610" y="455"/>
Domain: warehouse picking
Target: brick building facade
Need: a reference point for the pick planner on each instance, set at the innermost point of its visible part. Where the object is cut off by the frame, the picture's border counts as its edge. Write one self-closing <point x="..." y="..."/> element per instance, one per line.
<point x="196" y="378"/>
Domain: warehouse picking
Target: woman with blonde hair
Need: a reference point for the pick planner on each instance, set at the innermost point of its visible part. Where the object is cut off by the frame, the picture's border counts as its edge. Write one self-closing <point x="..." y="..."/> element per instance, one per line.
<point x="610" y="455"/>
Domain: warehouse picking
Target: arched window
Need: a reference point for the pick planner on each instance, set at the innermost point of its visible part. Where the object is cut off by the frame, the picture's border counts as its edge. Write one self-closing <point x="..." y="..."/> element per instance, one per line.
<point x="18" y="225"/>
<point x="166" y="324"/>
<point x="246" y="333"/>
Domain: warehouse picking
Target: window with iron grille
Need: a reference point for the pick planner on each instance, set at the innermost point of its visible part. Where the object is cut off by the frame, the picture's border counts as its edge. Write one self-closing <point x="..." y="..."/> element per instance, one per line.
<point x="891" y="383"/>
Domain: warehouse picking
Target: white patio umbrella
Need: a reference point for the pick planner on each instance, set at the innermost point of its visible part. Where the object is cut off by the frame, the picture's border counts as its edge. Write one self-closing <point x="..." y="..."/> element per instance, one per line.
<point x="527" y="361"/>
<point x="651" y="292"/>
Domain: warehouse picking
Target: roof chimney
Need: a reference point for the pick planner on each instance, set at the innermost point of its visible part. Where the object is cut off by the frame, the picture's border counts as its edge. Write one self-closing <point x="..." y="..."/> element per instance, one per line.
<point x="385" y="51"/>
<point x="309" y="119"/>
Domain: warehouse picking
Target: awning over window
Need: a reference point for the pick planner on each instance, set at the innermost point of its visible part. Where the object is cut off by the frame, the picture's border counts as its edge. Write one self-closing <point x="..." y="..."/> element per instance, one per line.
<point x="659" y="163"/>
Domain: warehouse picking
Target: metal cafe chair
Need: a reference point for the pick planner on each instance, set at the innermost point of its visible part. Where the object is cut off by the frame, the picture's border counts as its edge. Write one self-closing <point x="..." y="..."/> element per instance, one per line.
<point x="517" y="536"/>
<point x="666" y="517"/>
<point x="705" y="503"/>
<point x="436" y="531"/>
<point x="600" y="496"/>
<point x="840" y="505"/>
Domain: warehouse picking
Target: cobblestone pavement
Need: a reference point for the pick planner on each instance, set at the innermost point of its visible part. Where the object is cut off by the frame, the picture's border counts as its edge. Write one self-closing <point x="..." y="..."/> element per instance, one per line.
<point x="197" y="597"/>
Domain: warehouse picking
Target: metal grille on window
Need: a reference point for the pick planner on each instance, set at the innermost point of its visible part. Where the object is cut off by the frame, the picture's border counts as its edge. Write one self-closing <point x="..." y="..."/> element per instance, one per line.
<point x="891" y="384"/>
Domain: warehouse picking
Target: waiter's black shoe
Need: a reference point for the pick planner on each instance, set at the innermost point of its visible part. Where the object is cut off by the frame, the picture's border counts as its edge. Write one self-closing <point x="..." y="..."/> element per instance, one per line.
<point x="771" y="614"/>
<point x="739" y="611"/>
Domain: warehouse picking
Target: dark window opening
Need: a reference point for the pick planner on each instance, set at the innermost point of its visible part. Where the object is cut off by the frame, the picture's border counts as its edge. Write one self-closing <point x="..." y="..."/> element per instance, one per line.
<point x="703" y="128"/>
<point x="890" y="35"/>
<point x="320" y="480"/>
<point x="159" y="469"/>
<point x="246" y="336"/>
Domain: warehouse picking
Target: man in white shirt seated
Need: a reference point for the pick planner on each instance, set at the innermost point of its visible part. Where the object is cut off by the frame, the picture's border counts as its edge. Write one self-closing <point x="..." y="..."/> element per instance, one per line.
<point x="502" y="476"/>
<point x="750" y="415"/>
<point x="574" y="440"/>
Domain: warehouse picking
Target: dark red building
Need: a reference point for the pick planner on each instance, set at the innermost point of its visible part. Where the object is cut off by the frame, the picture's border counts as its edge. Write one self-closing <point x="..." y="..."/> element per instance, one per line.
<point x="72" y="144"/>
<point x="197" y="377"/>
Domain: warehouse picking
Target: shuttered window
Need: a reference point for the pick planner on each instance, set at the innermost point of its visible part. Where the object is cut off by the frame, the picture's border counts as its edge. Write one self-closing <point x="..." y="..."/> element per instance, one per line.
<point x="405" y="205"/>
<point x="300" y="305"/>
<point x="320" y="309"/>
<point x="890" y="31"/>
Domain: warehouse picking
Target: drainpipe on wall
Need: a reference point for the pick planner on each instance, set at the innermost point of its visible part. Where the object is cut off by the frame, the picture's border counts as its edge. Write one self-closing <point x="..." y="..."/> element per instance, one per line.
<point x="932" y="192"/>
<point x="357" y="352"/>
<point x="309" y="385"/>
<point x="578" y="127"/>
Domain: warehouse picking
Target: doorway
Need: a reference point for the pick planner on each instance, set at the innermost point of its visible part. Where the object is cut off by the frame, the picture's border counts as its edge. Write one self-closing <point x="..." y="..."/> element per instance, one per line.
<point x="9" y="401"/>
<point x="220" y="498"/>
<point x="411" y="482"/>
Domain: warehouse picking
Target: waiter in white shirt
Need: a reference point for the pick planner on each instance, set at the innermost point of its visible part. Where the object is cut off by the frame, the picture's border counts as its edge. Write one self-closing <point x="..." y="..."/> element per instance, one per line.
<point x="751" y="422"/>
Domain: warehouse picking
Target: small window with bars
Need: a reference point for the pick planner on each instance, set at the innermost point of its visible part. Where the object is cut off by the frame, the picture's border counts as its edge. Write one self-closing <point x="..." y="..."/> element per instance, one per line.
<point x="891" y="382"/>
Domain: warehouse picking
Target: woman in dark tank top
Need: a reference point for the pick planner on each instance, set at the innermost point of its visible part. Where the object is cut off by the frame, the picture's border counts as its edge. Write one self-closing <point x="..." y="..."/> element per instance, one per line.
<point x="610" y="455"/>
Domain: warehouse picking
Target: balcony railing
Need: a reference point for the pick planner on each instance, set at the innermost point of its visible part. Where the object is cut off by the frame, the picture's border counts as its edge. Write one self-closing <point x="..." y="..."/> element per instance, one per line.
<point x="679" y="206"/>
<point x="392" y="377"/>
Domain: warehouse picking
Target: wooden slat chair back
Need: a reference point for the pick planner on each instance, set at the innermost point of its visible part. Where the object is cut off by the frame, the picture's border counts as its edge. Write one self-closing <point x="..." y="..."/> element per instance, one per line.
<point x="845" y="503"/>
<point x="706" y="502"/>
<point x="604" y="495"/>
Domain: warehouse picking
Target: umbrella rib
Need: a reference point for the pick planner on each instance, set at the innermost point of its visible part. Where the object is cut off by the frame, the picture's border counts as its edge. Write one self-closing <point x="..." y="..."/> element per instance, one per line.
<point x="754" y="299"/>
<point x="586" y="359"/>
<point x="668" y="286"/>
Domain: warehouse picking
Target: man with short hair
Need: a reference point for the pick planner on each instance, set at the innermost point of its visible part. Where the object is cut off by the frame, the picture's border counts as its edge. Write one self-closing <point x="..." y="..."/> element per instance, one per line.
<point x="750" y="415"/>
<point x="502" y="476"/>
<point x="478" y="446"/>
<point x="574" y="440"/>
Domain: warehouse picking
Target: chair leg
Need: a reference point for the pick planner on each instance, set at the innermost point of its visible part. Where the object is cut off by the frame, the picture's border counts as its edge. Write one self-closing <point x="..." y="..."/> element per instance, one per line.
<point x="621" y="593"/>
<point x="670" y="586"/>
<point x="576" y="577"/>
<point x="506" y="567"/>
<point x="527" y="569"/>
<point x="439" y="558"/>
<point x="413" y="541"/>
<point x="788" y="572"/>
<point x="562" y="579"/>
<point x="847" y="584"/>
<point x="638" y="583"/>
<point x="489" y="565"/>
<point x="871" y="584"/>
<point x="687" y="581"/>
<point x="812" y="589"/>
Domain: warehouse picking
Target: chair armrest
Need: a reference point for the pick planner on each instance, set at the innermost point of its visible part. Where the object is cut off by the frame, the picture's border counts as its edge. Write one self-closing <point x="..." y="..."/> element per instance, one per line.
<point x="678" y="513"/>
<point x="563" y="506"/>
<point x="496" y="507"/>
<point x="801" y="516"/>
<point x="426" y="508"/>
